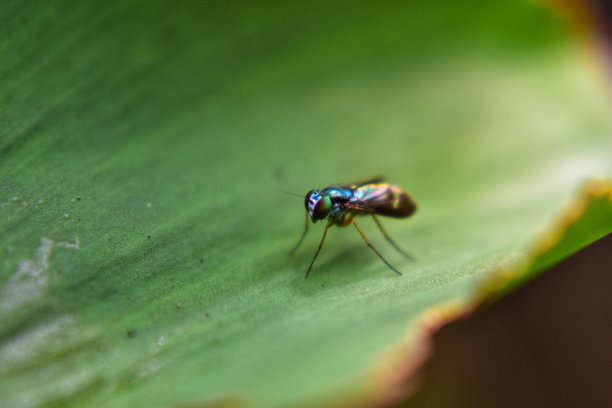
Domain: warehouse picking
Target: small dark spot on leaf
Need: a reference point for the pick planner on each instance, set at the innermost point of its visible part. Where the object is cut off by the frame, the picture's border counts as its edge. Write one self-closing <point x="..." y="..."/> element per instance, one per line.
<point x="131" y="333"/>
<point x="206" y="314"/>
<point x="279" y="173"/>
<point x="148" y="236"/>
<point x="201" y="261"/>
<point x="78" y="198"/>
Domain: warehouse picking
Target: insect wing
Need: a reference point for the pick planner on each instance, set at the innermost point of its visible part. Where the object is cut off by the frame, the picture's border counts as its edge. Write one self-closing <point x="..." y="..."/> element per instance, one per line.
<point x="382" y="199"/>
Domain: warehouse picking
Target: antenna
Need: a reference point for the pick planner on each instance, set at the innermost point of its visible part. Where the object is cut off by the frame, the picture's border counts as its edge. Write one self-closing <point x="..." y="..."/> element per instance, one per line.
<point x="291" y="194"/>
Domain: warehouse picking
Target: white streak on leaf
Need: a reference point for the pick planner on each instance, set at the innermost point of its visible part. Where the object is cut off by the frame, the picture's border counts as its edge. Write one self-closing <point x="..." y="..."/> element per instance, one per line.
<point x="30" y="280"/>
<point x="36" y="341"/>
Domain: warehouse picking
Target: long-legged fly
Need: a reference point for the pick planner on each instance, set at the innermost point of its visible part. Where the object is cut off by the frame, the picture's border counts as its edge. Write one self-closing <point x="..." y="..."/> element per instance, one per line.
<point x="342" y="204"/>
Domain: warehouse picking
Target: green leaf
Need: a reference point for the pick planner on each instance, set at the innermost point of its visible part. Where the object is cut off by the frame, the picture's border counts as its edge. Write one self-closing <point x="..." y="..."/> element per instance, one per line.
<point x="588" y="218"/>
<point x="143" y="148"/>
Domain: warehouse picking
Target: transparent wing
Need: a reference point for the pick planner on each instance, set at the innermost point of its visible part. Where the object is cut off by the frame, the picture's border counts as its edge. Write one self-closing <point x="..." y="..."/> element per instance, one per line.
<point x="382" y="199"/>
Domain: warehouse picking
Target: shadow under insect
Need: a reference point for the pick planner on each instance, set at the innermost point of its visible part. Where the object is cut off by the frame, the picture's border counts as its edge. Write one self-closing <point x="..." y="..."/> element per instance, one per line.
<point x="339" y="265"/>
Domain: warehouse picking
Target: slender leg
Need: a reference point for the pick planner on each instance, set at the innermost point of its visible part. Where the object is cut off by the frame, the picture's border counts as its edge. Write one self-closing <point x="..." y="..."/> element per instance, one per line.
<point x="374" y="249"/>
<point x="328" y="226"/>
<point x="302" y="237"/>
<point x="392" y="242"/>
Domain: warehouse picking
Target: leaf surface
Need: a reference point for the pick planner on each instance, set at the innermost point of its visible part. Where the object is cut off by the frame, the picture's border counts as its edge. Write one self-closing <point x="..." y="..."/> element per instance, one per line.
<point x="143" y="146"/>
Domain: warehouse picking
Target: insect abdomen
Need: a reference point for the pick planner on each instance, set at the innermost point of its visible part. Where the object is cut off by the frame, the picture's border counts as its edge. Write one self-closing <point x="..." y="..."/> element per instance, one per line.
<point x="401" y="206"/>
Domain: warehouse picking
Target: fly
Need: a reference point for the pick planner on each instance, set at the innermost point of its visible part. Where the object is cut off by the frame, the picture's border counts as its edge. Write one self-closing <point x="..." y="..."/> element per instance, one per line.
<point x="342" y="204"/>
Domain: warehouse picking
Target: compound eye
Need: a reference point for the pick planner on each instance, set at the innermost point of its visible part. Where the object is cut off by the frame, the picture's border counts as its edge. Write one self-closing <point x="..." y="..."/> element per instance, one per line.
<point x="322" y="208"/>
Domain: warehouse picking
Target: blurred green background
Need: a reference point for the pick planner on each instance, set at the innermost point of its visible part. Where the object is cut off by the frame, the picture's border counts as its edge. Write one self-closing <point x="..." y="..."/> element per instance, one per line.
<point x="158" y="135"/>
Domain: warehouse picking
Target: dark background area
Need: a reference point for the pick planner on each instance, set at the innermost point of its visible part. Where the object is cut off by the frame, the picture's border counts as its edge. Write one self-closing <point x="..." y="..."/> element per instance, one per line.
<point x="549" y="344"/>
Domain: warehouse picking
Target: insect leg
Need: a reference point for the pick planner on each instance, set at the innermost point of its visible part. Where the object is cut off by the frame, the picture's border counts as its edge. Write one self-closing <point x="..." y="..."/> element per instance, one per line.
<point x="374" y="249"/>
<point x="328" y="226"/>
<point x="392" y="242"/>
<point x="302" y="237"/>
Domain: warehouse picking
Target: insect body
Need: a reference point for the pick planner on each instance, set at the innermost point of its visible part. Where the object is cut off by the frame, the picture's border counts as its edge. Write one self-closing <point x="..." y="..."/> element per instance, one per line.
<point x="341" y="204"/>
